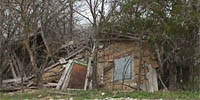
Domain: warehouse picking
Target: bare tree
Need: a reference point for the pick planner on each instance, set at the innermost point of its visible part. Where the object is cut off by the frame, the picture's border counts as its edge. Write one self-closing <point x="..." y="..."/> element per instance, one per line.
<point x="7" y="30"/>
<point x="25" y="19"/>
<point x="100" y="12"/>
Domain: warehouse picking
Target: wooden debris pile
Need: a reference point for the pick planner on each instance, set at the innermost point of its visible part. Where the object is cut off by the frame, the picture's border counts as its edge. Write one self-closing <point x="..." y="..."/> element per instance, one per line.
<point x="71" y="71"/>
<point x="72" y="74"/>
<point x="69" y="74"/>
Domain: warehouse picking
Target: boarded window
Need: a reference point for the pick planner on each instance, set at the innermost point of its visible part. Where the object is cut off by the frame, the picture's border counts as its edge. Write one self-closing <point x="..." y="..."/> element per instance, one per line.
<point x="123" y="68"/>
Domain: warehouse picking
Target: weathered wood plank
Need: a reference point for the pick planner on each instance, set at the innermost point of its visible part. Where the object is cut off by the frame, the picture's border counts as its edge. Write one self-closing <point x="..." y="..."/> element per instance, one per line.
<point x="13" y="70"/>
<point x="77" y="51"/>
<point x="88" y="73"/>
<point x="152" y="79"/>
<point x="16" y="80"/>
<point x="67" y="66"/>
<point x="66" y="81"/>
<point x="50" y="85"/>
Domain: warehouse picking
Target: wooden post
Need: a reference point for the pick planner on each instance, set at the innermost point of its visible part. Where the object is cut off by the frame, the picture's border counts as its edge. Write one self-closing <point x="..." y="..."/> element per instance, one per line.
<point x="88" y="73"/>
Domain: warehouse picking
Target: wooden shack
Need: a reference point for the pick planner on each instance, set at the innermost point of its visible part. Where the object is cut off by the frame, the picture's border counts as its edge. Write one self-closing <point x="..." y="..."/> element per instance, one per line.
<point x="120" y="64"/>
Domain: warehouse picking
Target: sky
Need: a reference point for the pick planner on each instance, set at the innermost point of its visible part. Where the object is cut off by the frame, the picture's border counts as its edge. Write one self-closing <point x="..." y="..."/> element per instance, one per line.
<point x="84" y="9"/>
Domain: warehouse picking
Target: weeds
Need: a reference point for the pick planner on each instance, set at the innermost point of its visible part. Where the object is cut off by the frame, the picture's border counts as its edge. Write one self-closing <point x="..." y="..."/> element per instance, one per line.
<point x="53" y="94"/>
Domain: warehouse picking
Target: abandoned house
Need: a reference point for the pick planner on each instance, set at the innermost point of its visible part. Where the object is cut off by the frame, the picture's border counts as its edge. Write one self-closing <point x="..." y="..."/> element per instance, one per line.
<point x="124" y="65"/>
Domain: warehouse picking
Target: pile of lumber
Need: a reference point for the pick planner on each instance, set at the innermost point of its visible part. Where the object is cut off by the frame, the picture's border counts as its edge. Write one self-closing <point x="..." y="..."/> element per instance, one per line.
<point x="16" y="84"/>
<point x="64" y="79"/>
<point x="56" y="76"/>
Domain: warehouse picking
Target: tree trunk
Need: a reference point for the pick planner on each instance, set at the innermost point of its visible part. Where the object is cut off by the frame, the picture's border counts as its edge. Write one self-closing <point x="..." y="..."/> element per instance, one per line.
<point x="172" y="78"/>
<point x="39" y="80"/>
<point x="95" y="70"/>
<point x="33" y="63"/>
<point x="71" y="19"/>
<point x="1" y="80"/>
<point x="95" y="55"/>
<point x="1" y="70"/>
<point x="140" y="64"/>
<point x="22" y="82"/>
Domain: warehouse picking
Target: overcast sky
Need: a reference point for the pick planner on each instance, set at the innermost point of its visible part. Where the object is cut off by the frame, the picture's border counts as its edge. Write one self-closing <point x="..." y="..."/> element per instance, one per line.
<point x="83" y="8"/>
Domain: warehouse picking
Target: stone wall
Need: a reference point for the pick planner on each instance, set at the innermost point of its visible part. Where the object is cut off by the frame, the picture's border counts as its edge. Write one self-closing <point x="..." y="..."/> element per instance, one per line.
<point x="105" y="67"/>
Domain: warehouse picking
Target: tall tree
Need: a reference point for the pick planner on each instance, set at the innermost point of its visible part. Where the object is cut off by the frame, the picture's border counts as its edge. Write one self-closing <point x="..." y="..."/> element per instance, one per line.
<point x="99" y="14"/>
<point x="170" y="29"/>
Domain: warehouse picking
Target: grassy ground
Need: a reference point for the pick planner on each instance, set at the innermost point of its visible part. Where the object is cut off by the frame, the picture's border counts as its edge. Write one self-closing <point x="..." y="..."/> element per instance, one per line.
<point x="51" y="94"/>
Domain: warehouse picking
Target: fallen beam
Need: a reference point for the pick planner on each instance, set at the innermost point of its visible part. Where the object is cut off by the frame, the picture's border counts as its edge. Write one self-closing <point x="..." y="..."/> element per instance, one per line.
<point x="60" y="82"/>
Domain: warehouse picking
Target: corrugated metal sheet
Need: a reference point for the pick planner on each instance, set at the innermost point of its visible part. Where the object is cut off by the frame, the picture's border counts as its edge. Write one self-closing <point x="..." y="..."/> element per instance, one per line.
<point x="123" y="68"/>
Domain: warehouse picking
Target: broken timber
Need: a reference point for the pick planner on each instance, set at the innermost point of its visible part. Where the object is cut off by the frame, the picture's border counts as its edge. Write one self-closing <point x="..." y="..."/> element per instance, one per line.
<point x="77" y="51"/>
<point x="66" y="71"/>
<point x="88" y="74"/>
